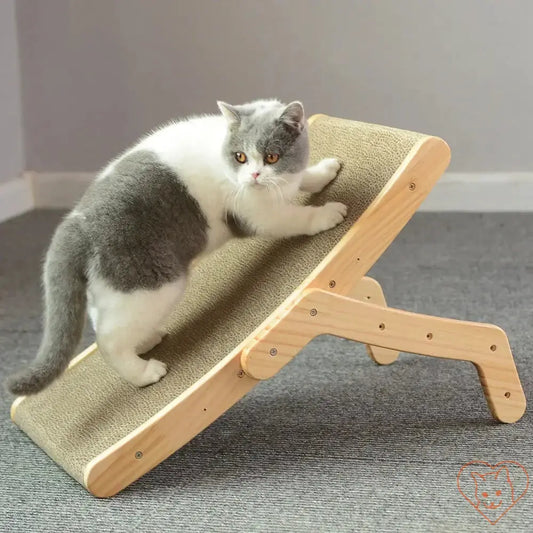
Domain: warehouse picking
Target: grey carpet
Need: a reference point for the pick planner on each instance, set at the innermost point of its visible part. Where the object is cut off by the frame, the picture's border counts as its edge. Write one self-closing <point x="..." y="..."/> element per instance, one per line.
<point x="334" y="442"/>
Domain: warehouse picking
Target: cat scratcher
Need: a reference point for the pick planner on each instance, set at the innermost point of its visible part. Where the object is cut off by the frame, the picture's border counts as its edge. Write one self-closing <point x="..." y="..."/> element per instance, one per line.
<point x="255" y="303"/>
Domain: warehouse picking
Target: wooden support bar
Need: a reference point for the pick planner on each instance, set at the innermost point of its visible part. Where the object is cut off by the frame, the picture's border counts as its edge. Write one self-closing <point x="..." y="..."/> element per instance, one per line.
<point x="318" y="312"/>
<point x="369" y="290"/>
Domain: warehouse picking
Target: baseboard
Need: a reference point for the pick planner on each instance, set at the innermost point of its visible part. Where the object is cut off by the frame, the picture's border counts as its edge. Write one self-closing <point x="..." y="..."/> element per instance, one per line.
<point x="15" y="198"/>
<point x="482" y="192"/>
<point x="456" y="191"/>
<point x="59" y="190"/>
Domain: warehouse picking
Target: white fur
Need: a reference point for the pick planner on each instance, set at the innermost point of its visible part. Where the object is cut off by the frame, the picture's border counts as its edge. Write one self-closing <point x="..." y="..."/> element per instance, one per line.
<point x="193" y="149"/>
<point x="128" y="324"/>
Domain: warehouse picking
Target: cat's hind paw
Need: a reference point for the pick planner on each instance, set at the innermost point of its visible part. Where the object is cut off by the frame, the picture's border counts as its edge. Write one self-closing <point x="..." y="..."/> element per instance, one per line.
<point x="153" y="372"/>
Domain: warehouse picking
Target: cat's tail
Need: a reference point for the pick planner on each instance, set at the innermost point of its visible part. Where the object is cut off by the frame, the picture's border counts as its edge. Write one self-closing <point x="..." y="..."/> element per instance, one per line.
<point x="65" y="304"/>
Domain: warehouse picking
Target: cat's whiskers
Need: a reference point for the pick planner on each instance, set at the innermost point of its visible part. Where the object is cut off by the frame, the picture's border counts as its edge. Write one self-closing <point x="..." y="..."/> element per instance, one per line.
<point x="285" y="183"/>
<point x="277" y="189"/>
<point x="267" y="182"/>
<point x="235" y="201"/>
<point x="280" y="192"/>
<point x="238" y="195"/>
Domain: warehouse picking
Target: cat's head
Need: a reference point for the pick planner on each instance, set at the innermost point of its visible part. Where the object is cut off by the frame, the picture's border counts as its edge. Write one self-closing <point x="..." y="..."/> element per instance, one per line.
<point x="493" y="489"/>
<point x="266" y="142"/>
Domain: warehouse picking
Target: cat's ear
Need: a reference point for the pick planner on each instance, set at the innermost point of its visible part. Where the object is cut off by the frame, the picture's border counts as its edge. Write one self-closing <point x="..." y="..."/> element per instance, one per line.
<point x="503" y="470"/>
<point x="230" y="113"/>
<point x="476" y="477"/>
<point x="293" y="115"/>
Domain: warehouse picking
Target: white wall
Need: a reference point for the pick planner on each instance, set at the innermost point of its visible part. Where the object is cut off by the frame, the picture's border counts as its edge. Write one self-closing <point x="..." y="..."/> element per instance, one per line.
<point x="99" y="73"/>
<point x="11" y="152"/>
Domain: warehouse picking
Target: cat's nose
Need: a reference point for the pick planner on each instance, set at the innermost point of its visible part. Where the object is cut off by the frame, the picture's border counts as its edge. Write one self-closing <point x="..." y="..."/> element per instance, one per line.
<point x="255" y="175"/>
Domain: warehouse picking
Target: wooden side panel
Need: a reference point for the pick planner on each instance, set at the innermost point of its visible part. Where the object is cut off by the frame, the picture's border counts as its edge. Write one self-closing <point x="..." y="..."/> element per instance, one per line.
<point x="379" y="225"/>
<point x="169" y="430"/>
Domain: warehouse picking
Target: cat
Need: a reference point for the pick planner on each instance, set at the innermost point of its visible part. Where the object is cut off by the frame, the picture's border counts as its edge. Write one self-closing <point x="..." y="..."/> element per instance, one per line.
<point x="125" y="249"/>
<point x="494" y="492"/>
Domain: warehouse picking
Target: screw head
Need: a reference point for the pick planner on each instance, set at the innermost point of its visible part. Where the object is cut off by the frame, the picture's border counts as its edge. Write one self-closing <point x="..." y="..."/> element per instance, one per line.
<point x="382" y="326"/>
<point x="240" y="373"/>
<point x="507" y="394"/>
<point x="313" y="312"/>
<point x="273" y="352"/>
<point x="412" y="186"/>
<point x="332" y="283"/>
<point x="138" y="455"/>
<point x="493" y="348"/>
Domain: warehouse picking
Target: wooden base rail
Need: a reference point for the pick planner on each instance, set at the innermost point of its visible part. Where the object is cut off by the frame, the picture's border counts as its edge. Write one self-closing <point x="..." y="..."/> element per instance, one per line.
<point x="318" y="312"/>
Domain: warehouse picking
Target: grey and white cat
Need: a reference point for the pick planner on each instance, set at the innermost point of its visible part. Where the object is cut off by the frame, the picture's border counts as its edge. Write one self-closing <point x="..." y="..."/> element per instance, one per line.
<point x="125" y="250"/>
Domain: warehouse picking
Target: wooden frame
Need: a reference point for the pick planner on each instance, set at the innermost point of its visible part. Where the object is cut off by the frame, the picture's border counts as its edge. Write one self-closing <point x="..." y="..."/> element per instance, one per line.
<point x="318" y="312"/>
<point x="335" y="298"/>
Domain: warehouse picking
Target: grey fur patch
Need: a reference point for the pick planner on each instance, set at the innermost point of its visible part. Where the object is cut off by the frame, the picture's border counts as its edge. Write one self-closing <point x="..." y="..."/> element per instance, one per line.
<point x="268" y="130"/>
<point x="64" y="317"/>
<point x="143" y="225"/>
<point x="138" y="228"/>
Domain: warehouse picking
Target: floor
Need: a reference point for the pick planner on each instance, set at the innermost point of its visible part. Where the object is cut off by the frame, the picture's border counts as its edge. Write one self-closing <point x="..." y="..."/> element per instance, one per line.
<point x="334" y="442"/>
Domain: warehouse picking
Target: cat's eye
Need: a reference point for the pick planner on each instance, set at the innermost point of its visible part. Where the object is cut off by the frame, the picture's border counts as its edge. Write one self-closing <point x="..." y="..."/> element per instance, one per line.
<point x="272" y="158"/>
<point x="498" y="493"/>
<point x="485" y="494"/>
<point x="240" y="157"/>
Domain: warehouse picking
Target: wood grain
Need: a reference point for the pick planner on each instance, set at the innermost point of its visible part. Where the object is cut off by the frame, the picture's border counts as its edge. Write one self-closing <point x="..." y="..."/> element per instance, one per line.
<point x="169" y="430"/>
<point x="318" y="312"/>
<point x="369" y="290"/>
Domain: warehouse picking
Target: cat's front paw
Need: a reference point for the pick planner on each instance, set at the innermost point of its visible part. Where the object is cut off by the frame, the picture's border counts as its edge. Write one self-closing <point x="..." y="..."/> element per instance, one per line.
<point x="320" y="175"/>
<point x="328" y="216"/>
<point x="328" y="169"/>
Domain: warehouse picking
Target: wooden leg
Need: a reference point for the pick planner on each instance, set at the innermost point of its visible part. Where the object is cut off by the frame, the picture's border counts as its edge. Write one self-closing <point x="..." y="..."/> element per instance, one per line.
<point x="318" y="312"/>
<point x="369" y="290"/>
